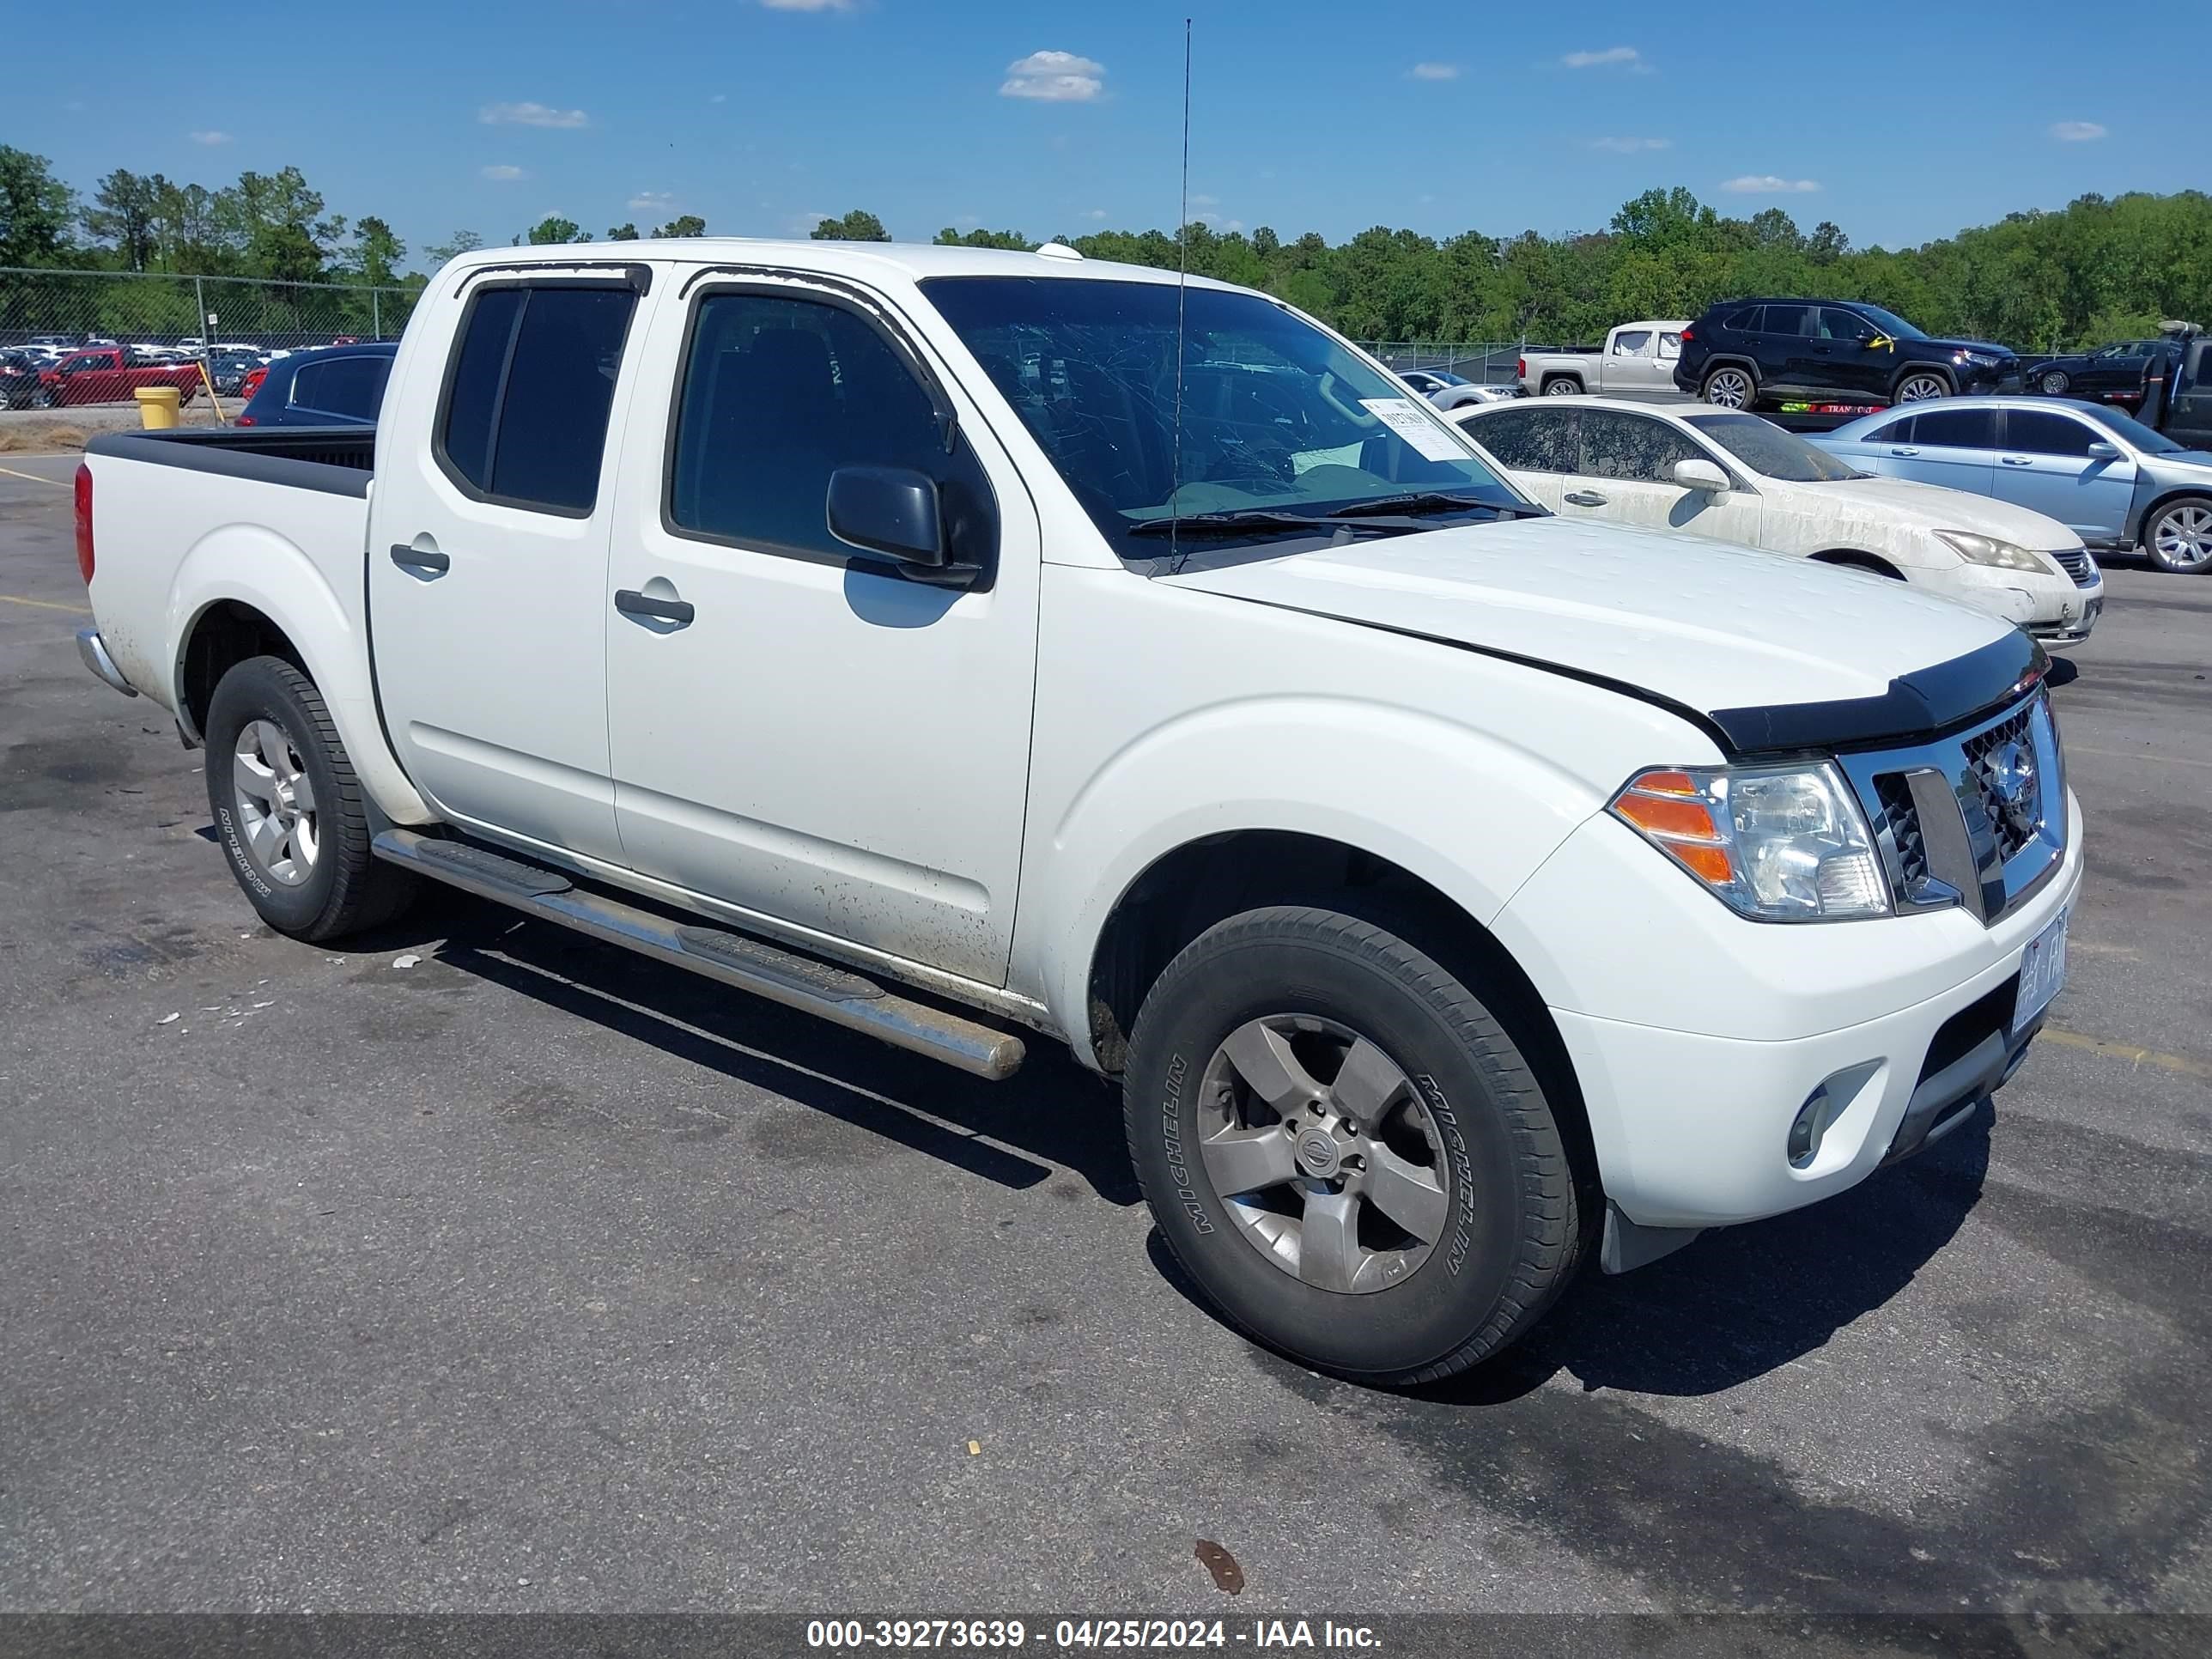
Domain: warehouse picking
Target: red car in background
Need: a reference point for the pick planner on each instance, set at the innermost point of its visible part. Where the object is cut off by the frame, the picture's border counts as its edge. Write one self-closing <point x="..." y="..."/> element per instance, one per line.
<point x="106" y="375"/>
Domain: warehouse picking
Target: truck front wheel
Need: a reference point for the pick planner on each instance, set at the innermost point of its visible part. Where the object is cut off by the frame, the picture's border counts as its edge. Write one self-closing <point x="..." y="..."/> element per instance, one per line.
<point x="288" y="811"/>
<point x="1346" y="1149"/>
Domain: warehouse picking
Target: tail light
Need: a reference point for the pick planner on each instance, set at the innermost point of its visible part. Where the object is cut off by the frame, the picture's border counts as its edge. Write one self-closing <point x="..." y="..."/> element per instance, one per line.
<point x="1686" y="337"/>
<point x="243" y="420"/>
<point x="1520" y="368"/>
<point x="84" y="521"/>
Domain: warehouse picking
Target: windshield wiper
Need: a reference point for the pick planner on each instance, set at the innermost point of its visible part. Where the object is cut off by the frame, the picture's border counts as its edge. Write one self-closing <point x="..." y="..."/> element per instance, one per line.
<point x="1238" y="520"/>
<point x="1423" y="503"/>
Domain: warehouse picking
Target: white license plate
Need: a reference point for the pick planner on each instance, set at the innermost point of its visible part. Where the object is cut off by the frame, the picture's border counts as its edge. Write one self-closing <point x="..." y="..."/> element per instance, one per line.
<point x="2042" y="971"/>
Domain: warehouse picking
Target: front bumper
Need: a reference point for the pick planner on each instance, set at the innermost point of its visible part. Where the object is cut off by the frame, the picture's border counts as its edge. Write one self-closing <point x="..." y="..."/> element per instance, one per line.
<point x="1692" y="1076"/>
<point x="2050" y="607"/>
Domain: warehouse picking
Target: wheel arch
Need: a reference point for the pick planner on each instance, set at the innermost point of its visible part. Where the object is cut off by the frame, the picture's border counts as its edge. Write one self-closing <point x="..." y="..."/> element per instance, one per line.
<point x="1188" y="889"/>
<point x="1906" y="371"/>
<point x="1856" y="558"/>
<point x="1574" y="377"/>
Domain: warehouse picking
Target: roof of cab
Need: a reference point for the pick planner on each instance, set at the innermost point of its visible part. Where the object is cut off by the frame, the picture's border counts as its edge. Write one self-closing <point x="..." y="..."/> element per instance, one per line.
<point x="862" y="261"/>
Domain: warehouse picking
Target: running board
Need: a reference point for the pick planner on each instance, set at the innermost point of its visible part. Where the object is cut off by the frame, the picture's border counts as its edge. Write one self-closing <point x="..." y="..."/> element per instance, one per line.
<point x="815" y="987"/>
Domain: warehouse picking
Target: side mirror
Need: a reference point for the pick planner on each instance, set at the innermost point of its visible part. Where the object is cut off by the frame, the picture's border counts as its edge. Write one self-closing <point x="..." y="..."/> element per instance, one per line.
<point x="1704" y="476"/>
<point x="2101" y="451"/>
<point x="889" y="510"/>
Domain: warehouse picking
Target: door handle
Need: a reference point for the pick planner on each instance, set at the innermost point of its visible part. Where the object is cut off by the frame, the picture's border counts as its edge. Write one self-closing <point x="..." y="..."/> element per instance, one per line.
<point x="631" y="603"/>
<point x="1583" y="498"/>
<point x="426" y="562"/>
<point x="1902" y="450"/>
<point x="2017" y="460"/>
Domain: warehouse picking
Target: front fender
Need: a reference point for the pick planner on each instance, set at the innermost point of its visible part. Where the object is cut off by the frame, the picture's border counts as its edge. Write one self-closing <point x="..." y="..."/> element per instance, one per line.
<point x="1467" y="812"/>
<point x="252" y="565"/>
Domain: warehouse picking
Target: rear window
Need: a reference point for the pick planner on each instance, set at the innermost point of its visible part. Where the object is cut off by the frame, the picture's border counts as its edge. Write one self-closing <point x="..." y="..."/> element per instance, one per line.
<point x="349" y="387"/>
<point x="1956" y="429"/>
<point x="526" y="420"/>
<point x="1539" y="439"/>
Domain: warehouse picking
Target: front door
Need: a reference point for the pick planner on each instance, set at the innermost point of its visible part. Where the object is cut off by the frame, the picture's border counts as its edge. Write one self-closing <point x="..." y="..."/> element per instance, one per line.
<point x="803" y="732"/>
<point x="1845" y="350"/>
<point x="2044" y="464"/>
<point x="1624" y="474"/>
<point x="487" y="579"/>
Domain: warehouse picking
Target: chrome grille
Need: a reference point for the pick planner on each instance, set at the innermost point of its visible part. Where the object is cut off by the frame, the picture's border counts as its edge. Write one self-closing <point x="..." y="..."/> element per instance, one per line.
<point x="1977" y="820"/>
<point x="2000" y="762"/>
<point x="2077" y="563"/>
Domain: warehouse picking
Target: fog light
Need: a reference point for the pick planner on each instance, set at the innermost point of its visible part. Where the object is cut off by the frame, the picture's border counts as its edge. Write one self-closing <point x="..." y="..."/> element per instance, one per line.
<point x="1820" y="1109"/>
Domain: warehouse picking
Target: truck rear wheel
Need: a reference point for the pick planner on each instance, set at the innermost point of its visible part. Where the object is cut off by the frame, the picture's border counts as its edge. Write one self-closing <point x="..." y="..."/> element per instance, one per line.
<point x="1346" y="1149"/>
<point x="288" y="811"/>
<point x="1562" y="385"/>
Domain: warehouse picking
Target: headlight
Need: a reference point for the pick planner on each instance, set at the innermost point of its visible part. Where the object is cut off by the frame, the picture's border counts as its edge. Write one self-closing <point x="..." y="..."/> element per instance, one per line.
<point x="1979" y="359"/>
<point x="1783" y="845"/>
<point x="1987" y="549"/>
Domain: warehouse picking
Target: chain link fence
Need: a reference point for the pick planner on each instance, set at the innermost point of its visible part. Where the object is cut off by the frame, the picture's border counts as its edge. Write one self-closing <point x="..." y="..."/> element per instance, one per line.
<point x="1487" y="363"/>
<point x="160" y="312"/>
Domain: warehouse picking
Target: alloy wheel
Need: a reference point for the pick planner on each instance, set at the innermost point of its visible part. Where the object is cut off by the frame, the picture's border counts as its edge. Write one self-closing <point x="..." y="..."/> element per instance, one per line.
<point x="2055" y="382"/>
<point x="1918" y="388"/>
<point x="276" y="802"/>
<point x="1729" y="388"/>
<point x="1560" y="388"/>
<point x="2183" y="540"/>
<point x="1323" y="1153"/>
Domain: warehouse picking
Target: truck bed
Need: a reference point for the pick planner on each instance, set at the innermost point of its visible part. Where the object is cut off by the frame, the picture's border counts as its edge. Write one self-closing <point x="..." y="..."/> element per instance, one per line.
<point x="338" y="459"/>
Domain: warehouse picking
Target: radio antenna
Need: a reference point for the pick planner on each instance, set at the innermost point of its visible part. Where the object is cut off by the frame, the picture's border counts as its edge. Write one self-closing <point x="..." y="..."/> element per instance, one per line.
<point x="1182" y="276"/>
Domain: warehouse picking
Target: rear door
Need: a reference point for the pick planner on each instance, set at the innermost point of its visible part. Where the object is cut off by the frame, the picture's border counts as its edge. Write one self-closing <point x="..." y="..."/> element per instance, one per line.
<point x="487" y="555"/>
<point x="1624" y="474"/>
<point x="1532" y="439"/>
<point x="1786" y="348"/>
<point x="2044" y="464"/>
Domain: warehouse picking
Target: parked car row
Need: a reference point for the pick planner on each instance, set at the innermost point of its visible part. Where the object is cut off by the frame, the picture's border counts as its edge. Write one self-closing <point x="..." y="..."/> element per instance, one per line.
<point x="97" y="374"/>
<point x="1733" y="477"/>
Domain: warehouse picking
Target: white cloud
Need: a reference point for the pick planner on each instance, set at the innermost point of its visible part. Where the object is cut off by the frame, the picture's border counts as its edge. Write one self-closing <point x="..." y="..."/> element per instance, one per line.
<point x="209" y="136"/>
<point x="1767" y="184"/>
<point x="1055" y="76"/>
<point x="652" y="201"/>
<point x="531" y="115"/>
<point x="502" y="171"/>
<point x="1435" y="71"/>
<point x="1630" y="146"/>
<point x="808" y="5"/>
<point x="1628" y="57"/>
<point x="1095" y="213"/>
<point x="2076" y="132"/>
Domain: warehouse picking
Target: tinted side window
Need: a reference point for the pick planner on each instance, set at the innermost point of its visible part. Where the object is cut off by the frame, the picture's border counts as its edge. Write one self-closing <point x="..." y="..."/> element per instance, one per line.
<point x="472" y="397"/>
<point x="2042" y="433"/>
<point x="1532" y="439"/>
<point x="526" y="416"/>
<point x="1956" y="428"/>
<point x="1746" y="320"/>
<point x="1899" y="431"/>
<point x="1786" y="320"/>
<point x="778" y="394"/>
<point x="1633" y="447"/>
<point x="1844" y="326"/>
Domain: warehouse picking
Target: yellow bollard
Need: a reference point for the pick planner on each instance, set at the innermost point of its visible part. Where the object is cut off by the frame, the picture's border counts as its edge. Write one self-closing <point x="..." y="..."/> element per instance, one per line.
<point x="157" y="407"/>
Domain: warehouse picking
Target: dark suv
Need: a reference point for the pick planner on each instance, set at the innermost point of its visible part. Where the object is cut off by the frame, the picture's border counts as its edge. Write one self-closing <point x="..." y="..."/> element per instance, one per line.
<point x="1744" y="353"/>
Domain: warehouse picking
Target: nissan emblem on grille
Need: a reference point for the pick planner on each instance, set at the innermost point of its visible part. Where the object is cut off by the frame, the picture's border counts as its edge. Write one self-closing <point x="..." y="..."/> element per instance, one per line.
<point x="2012" y="767"/>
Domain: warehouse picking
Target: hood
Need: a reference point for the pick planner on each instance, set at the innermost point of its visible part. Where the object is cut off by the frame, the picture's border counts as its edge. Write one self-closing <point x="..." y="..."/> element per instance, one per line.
<point x="1988" y="348"/>
<point x="1762" y="651"/>
<point x="1931" y="507"/>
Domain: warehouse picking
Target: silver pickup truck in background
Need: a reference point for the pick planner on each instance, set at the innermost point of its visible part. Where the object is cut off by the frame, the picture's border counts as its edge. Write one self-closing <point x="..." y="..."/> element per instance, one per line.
<point x="1636" y="360"/>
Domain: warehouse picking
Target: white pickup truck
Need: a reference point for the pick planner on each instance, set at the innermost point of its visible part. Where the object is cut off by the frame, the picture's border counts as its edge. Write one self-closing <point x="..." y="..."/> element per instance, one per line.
<point x="1636" y="360"/>
<point x="973" y="647"/>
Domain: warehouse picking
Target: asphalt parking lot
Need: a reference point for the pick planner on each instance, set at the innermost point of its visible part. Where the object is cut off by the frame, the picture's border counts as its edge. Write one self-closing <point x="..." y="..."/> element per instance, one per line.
<point x="533" y="1276"/>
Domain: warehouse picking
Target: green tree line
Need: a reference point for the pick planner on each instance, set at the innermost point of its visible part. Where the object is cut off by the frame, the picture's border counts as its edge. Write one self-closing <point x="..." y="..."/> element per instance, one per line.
<point x="2101" y="268"/>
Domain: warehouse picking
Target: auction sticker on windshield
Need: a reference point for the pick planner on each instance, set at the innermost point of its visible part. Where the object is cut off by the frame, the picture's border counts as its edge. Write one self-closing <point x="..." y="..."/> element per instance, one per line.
<point x="1429" y="441"/>
<point x="2042" y="972"/>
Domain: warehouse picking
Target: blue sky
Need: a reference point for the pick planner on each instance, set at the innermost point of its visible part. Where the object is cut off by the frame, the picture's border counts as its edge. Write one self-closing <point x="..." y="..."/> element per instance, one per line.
<point x="1900" y="122"/>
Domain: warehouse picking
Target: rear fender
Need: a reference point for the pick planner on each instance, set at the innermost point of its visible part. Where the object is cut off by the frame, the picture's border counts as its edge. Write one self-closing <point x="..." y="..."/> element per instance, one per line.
<point x="253" y="566"/>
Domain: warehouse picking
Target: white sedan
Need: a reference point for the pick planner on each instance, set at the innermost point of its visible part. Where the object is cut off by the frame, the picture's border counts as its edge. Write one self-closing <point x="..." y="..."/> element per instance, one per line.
<point x="1735" y="477"/>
